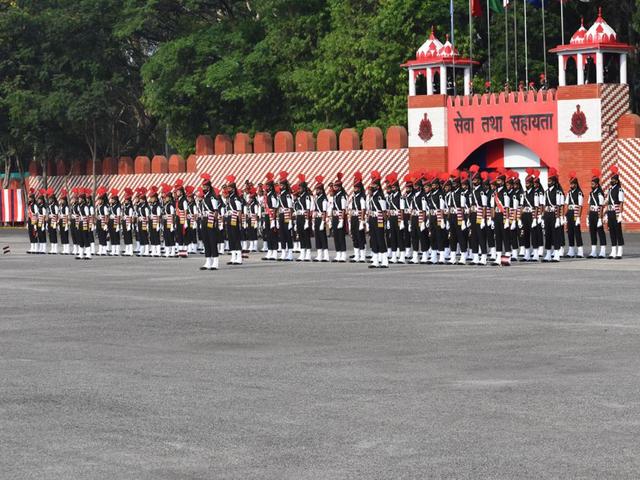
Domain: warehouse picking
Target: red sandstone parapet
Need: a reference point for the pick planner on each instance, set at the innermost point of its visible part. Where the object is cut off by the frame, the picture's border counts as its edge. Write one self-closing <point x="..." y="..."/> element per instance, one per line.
<point x="204" y="145"/>
<point x="304" y="141"/>
<point x="142" y="164"/>
<point x="61" y="168"/>
<point x="242" y="144"/>
<point x="109" y="166"/>
<point x="283" y="142"/>
<point x="177" y="164"/>
<point x="327" y="140"/>
<point x="372" y="139"/>
<point x="191" y="164"/>
<point x="349" y="139"/>
<point x="262" y="143"/>
<point x="159" y="164"/>
<point x="125" y="166"/>
<point x="223" y="145"/>
<point x="397" y="137"/>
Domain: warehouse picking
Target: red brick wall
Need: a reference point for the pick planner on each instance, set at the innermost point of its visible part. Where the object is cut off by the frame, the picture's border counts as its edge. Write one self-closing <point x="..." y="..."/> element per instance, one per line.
<point x="428" y="158"/>
<point x="427" y="101"/>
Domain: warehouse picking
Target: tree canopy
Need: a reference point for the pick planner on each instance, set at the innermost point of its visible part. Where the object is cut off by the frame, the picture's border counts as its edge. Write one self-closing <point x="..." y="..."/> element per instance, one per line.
<point x="94" y="78"/>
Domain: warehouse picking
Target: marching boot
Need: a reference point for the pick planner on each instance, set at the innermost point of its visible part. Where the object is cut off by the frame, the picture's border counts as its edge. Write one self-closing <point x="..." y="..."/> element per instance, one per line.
<point x="356" y="256"/>
<point x="325" y="256"/>
<point x="452" y="259"/>
<point x="498" y="259"/>
<point x="318" y="256"/>
<point x="394" y="257"/>
<point x="206" y="265"/>
<point x="603" y="252"/>
<point x="547" y="257"/>
<point x="463" y="259"/>
<point x="79" y="253"/>
<point x="483" y="259"/>
<point x="433" y="259"/>
<point x="87" y="253"/>
<point x="147" y="250"/>
<point x="75" y="249"/>
<point x="571" y="253"/>
<point x="307" y="255"/>
<point x="514" y="254"/>
<point x="536" y="255"/>
<point x="137" y="246"/>
<point x="375" y="263"/>
<point x="527" y="255"/>
<point x="214" y="263"/>
<point x="492" y="253"/>
<point x="388" y="253"/>
<point x="414" y="258"/>
<point x="580" y="252"/>
<point x="593" y="253"/>
<point x="556" y="256"/>
<point x="476" y="259"/>
<point x="238" y="257"/>
<point x="283" y="254"/>
<point x="619" y="253"/>
<point x="363" y="256"/>
<point x="301" y="256"/>
<point x="289" y="257"/>
<point x="424" y="258"/>
<point x="93" y="248"/>
<point x="441" y="259"/>
<point x="384" y="263"/>
<point x="561" y="251"/>
<point x="402" y="258"/>
<point x="521" y="253"/>
<point x="407" y="252"/>
<point x="540" y="251"/>
<point x="447" y="253"/>
<point x="613" y="253"/>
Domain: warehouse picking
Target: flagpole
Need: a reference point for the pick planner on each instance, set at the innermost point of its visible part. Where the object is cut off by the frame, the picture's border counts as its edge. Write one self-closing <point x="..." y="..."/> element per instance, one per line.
<point x="454" y="48"/>
<point x="515" y="41"/>
<point x="526" y="46"/>
<point x="470" y="41"/>
<point x="544" y="43"/>
<point x="562" y="18"/>
<point x="506" y="39"/>
<point x="489" y="36"/>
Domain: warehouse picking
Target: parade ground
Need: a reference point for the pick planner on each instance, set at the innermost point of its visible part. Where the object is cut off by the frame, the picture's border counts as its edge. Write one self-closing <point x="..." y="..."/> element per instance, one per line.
<point x="141" y="368"/>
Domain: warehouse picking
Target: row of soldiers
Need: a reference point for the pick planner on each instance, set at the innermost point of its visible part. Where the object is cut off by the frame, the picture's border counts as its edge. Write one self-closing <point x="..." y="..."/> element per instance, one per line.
<point x="457" y="218"/>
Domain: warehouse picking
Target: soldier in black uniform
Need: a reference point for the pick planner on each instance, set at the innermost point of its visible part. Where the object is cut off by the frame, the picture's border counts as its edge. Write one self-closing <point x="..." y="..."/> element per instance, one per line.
<point x="84" y="226"/>
<point x="303" y="208"/>
<point x="210" y="210"/>
<point x="252" y="219"/>
<point x="233" y="209"/>
<point x="489" y="188"/>
<point x="457" y="203"/>
<point x="530" y="203"/>
<point x="285" y="218"/>
<point x="142" y="215"/>
<point x="437" y="206"/>
<point x="553" y="205"/>
<point x="52" y="221"/>
<point x="338" y="219"/>
<point x="377" y="208"/>
<point x="477" y="203"/>
<point x="420" y="218"/>
<point x="182" y="209"/>
<point x="595" y="218"/>
<point x="115" y="222"/>
<point x="73" y="223"/>
<point x="405" y="232"/>
<point x="169" y="222"/>
<point x="574" y="203"/>
<point x="358" y="218"/>
<point x="127" y="224"/>
<point x="615" y="210"/>
<point x="500" y="213"/>
<point x="32" y="220"/>
<point x="64" y="215"/>
<point x="320" y="219"/>
<point x="270" y="230"/>
<point x="102" y="220"/>
<point x="155" y="221"/>
<point x="395" y="220"/>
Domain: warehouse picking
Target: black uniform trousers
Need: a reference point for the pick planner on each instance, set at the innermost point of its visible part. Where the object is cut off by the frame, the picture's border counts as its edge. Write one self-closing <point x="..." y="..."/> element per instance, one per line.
<point x="233" y="235"/>
<point x="64" y="236"/>
<point x="210" y="240"/>
<point x="525" y="232"/>
<point x="180" y="236"/>
<point x="53" y="233"/>
<point x="395" y="238"/>
<point x="437" y="234"/>
<point x="143" y="234"/>
<point x="457" y="236"/>
<point x="286" y="240"/>
<point x="615" y="229"/>
<point x="304" y="234"/>
<point x="419" y="238"/>
<point x="502" y="235"/>
<point x="357" y="236"/>
<point x="339" y="235"/>
<point x="127" y="234"/>
<point x="322" y="243"/>
<point x="596" y="232"/>
<point x="154" y="236"/>
<point x="551" y="233"/>
<point x="114" y="235"/>
<point x="377" y="235"/>
<point x="102" y="233"/>
<point x="573" y="230"/>
<point x="169" y="238"/>
<point x="74" y="233"/>
<point x="271" y="234"/>
<point x="405" y="233"/>
<point x="477" y="239"/>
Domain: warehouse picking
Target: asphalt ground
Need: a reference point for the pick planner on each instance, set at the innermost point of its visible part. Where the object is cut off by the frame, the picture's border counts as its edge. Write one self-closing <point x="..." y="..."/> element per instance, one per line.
<point x="137" y="368"/>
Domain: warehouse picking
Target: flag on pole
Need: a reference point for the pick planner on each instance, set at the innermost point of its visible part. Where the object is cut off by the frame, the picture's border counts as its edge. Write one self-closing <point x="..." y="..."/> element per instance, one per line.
<point x="496" y="6"/>
<point x="476" y="8"/>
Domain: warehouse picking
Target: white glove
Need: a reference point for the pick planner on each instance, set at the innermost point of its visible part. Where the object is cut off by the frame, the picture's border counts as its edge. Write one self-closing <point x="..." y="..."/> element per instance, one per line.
<point x="401" y="226"/>
<point x="448" y="225"/>
<point x="557" y="223"/>
<point x="619" y="218"/>
<point x="409" y="227"/>
<point x="340" y="224"/>
<point x="463" y="227"/>
<point x="443" y="224"/>
<point x="563" y="220"/>
<point x="306" y="224"/>
<point x="277" y="223"/>
<point x="388" y="225"/>
<point x="290" y="224"/>
<point x="507" y="225"/>
<point x="492" y="225"/>
<point x="422" y="226"/>
<point x="361" y="225"/>
<point x="520" y="224"/>
<point x="599" y="223"/>
<point x="482" y="223"/>
<point x="577" y="221"/>
<point x="540" y="220"/>
<point x="534" y="223"/>
<point x="513" y="225"/>
<point x="220" y="226"/>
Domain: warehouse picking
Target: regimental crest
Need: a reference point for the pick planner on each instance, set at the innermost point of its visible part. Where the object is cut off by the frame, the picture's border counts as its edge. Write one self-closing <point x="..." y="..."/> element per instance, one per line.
<point x="579" y="123"/>
<point x="425" y="132"/>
